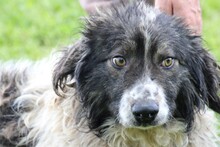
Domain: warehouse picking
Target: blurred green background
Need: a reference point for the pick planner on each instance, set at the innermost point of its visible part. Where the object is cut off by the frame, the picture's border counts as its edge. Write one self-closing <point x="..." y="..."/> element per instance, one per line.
<point x="32" y="28"/>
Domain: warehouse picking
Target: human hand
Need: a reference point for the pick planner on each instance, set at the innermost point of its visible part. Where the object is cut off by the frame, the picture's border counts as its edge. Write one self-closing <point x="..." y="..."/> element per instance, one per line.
<point x="189" y="10"/>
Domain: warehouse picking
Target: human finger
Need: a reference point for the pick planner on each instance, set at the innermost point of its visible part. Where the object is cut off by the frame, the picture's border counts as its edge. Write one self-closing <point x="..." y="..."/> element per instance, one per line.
<point x="164" y="6"/>
<point x="190" y="12"/>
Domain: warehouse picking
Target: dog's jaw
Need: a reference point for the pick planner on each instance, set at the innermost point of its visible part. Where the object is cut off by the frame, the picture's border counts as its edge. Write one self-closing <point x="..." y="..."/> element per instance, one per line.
<point x="143" y="91"/>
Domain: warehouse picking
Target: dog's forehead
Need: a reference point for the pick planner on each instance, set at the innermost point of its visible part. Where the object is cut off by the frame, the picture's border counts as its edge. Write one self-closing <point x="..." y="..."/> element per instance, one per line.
<point x="134" y="17"/>
<point x="127" y="26"/>
<point x="122" y="19"/>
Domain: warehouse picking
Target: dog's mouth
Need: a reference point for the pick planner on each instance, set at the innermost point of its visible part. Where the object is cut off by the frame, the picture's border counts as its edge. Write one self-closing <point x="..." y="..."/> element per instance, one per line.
<point x="143" y="125"/>
<point x="146" y="123"/>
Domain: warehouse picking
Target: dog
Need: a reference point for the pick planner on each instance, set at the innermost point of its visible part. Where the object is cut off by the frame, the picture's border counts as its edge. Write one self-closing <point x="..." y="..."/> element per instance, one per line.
<point x="136" y="78"/>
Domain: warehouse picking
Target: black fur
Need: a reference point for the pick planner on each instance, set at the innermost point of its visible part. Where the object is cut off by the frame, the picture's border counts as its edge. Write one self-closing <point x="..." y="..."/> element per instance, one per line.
<point x="190" y="85"/>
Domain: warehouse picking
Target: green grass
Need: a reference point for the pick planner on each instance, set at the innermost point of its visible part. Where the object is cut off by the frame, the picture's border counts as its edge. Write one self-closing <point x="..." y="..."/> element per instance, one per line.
<point x="211" y="23"/>
<point x="30" y="28"/>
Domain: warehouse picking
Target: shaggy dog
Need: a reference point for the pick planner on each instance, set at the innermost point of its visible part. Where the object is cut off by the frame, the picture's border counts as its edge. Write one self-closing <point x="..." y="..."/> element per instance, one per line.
<point x="137" y="78"/>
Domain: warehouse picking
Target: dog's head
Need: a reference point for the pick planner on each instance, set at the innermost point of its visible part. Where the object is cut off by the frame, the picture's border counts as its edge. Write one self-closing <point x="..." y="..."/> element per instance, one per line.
<point x="141" y="68"/>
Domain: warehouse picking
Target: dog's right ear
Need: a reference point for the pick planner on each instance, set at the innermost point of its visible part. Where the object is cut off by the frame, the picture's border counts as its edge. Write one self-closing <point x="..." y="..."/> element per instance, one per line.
<point x="65" y="67"/>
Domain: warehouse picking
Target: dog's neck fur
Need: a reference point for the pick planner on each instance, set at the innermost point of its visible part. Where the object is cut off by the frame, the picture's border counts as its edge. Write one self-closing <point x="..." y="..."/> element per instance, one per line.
<point x="171" y="135"/>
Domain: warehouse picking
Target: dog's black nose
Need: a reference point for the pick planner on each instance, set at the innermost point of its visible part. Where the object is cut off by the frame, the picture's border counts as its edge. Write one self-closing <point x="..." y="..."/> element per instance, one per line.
<point x="146" y="112"/>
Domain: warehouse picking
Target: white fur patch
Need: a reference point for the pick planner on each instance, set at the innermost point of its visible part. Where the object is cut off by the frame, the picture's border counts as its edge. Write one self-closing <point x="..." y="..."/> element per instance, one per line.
<point x="153" y="92"/>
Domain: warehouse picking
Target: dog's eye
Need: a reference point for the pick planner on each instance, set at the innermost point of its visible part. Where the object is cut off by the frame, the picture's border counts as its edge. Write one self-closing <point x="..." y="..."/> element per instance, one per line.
<point x="119" y="61"/>
<point x="167" y="63"/>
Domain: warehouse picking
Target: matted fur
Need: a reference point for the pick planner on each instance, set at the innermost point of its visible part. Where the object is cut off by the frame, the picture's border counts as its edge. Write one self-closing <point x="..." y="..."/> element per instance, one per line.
<point x="63" y="102"/>
<point x="54" y="116"/>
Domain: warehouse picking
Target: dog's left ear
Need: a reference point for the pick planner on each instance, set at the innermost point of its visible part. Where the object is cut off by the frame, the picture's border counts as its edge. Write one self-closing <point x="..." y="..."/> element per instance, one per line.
<point x="65" y="67"/>
<point x="206" y="73"/>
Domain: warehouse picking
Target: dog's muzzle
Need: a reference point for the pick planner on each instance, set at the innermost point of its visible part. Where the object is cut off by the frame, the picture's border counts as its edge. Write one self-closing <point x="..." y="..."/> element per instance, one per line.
<point x="143" y="105"/>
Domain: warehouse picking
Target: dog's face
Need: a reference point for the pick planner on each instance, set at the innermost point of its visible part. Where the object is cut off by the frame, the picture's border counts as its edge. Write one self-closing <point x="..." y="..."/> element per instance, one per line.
<point x="140" y="68"/>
